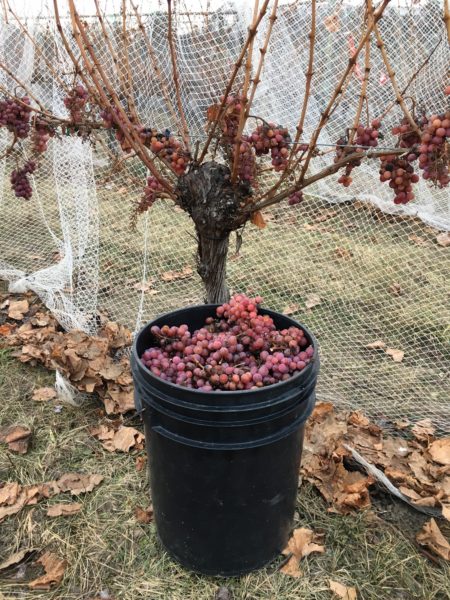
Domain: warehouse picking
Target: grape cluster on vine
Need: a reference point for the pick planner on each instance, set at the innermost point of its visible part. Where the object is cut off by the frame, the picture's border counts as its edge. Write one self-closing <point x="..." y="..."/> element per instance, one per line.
<point x="20" y="182"/>
<point x="407" y="136"/>
<point x="150" y="194"/>
<point x="434" y="151"/>
<point x="399" y="173"/>
<point x="75" y="102"/>
<point x="230" y="120"/>
<point x="365" y="137"/>
<point x="240" y="349"/>
<point x="295" y="198"/>
<point x="167" y="147"/>
<point x="246" y="163"/>
<point x="272" y="138"/>
<point x="40" y="136"/>
<point x="15" y="115"/>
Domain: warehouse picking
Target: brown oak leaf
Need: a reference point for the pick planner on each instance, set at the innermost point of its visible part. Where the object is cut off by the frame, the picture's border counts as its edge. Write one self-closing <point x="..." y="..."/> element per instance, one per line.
<point x="301" y="544"/>
<point x="431" y="537"/>
<point x="54" y="571"/>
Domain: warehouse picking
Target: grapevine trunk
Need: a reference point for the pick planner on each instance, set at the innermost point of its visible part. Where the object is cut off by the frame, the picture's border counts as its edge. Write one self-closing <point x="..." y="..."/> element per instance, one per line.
<point x="213" y="202"/>
<point x="212" y="265"/>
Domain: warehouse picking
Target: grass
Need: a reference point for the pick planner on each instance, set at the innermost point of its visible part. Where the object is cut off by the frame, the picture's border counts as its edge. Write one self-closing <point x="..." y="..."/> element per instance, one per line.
<point x="107" y="549"/>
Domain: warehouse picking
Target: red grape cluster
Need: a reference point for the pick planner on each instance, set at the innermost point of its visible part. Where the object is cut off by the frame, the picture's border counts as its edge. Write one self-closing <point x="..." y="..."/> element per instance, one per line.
<point x="167" y="147"/>
<point x="15" y="115"/>
<point x="408" y="137"/>
<point x="365" y="137"/>
<point x="41" y="135"/>
<point x="20" y="182"/>
<point x="272" y="138"/>
<point x="230" y="120"/>
<point x="434" y="151"/>
<point x="246" y="163"/>
<point x="75" y="102"/>
<point x="238" y="350"/>
<point x="150" y="194"/>
<point x="112" y="119"/>
<point x="368" y="136"/>
<point x="400" y="175"/>
<point x="343" y="150"/>
<point x="295" y="198"/>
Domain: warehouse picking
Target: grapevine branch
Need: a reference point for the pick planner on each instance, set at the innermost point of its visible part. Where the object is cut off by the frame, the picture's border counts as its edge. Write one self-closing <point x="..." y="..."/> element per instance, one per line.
<point x="244" y="100"/>
<point x="363" y="95"/>
<point x="391" y="75"/>
<point x="447" y="18"/>
<point x="115" y="58"/>
<point x="299" y="130"/>
<point x="129" y="131"/>
<point x="36" y="47"/>
<point x="156" y="68"/>
<point x="250" y="36"/>
<point x="329" y="170"/>
<point x="377" y="14"/>
<point x="263" y="52"/>
<point x="176" y="81"/>
<point x="412" y="78"/>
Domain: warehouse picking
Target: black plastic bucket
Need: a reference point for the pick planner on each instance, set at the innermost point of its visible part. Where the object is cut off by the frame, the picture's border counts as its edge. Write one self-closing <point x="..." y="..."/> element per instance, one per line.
<point x="223" y="465"/>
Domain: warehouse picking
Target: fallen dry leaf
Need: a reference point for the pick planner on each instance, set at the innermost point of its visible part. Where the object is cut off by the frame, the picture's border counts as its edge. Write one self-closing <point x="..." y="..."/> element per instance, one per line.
<point x="431" y="537"/>
<point x="440" y="451"/>
<point x="144" y="515"/>
<point x="343" y="253"/>
<point x="325" y="215"/>
<point x="312" y="301"/>
<point x="14" y="497"/>
<point x="141" y="461"/>
<point x="291" y="309"/>
<point x="301" y="544"/>
<point x="395" y="289"/>
<point x="357" y="419"/>
<point x="63" y="510"/>
<point x="77" y="483"/>
<point x="6" y="329"/>
<point x="446" y="511"/>
<point x="143" y="286"/>
<point x="377" y="345"/>
<point x="17" y="309"/>
<point x="397" y="355"/>
<point x="16" y="558"/>
<point x="169" y="276"/>
<point x="443" y="239"/>
<point x="17" y="437"/>
<point x="316" y="227"/>
<point x="121" y="440"/>
<point x="44" y="394"/>
<point x="402" y="424"/>
<point x="342" y="591"/>
<point x="423" y="430"/>
<point x="418" y="240"/>
<point x="258" y="220"/>
<point x="54" y="571"/>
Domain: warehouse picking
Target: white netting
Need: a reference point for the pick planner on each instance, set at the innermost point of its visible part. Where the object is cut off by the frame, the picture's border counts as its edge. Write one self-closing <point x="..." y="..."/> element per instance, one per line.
<point x="376" y="268"/>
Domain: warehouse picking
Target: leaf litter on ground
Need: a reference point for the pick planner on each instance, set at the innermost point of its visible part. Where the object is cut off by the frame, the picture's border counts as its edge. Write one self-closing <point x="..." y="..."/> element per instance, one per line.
<point x="418" y="466"/>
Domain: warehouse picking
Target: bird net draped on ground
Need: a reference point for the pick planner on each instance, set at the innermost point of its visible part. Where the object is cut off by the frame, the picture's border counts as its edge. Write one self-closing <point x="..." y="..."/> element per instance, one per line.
<point x="347" y="262"/>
